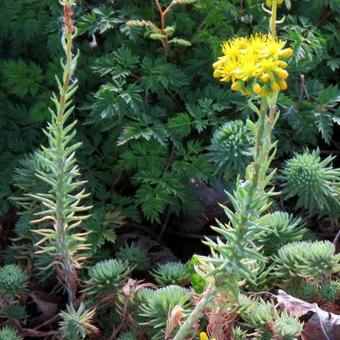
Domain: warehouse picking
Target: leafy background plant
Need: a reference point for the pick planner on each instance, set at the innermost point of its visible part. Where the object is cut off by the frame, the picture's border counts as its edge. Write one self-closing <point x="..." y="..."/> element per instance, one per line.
<point x="149" y="128"/>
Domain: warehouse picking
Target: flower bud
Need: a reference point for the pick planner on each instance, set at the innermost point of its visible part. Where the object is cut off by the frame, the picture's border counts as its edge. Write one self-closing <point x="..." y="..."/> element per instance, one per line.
<point x="282" y="73"/>
<point x="265" y="77"/>
<point x="235" y="86"/>
<point x="257" y="88"/>
<point x="286" y="53"/>
<point x="283" y="85"/>
<point x="275" y="87"/>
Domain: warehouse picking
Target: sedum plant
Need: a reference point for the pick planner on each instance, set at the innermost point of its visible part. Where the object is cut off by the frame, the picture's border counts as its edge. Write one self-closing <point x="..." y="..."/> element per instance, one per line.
<point x="256" y="67"/>
<point x="134" y="255"/>
<point x="163" y="309"/>
<point x="312" y="260"/>
<point x="230" y="148"/>
<point x="237" y="333"/>
<point x="13" y="281"/>
<point x="279" y="229"/>
<point x="287" y="327"/>
<point x="61" y="204"/>
<point x="329" y="291"/>
<point x="266" y="320"/>
<point x="171" y="273"/>
<point x="315" y="182"/>
<point x="106" y="276"/>
<point x="8" y="333"/>
<point x="309" y="291"/>
<point x="260" y="278"/>
<point x="76" y="324"/>
<point x="14" y="311"/>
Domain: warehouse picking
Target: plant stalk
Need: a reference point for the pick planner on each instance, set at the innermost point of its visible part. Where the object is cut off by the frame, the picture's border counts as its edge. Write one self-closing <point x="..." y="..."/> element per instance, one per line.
<point x="195" y="315"/>
<point x="273" y="19"/>
<point x="260" y="157"/>
<point x="69" y="274"/>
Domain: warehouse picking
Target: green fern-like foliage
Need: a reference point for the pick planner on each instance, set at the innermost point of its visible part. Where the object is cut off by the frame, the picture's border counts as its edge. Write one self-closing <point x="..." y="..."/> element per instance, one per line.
<point x="106" y="276"/>
<point x="315" y="260"/>
<point x="102" y="227"/>
<point x="171" y="273"/>
<point x="134" y="255"/>
<point x="230" y="148"/>
<point x="157" y="306"/>
<point x="314" y="181"/>
<point x="13" y="280"/>
<point x="8" y="333"/>
<point x="21" y="78"/>
<point x="76" y="324"/>
<point x="279" y="229"/>
<point x="287" y="327"/>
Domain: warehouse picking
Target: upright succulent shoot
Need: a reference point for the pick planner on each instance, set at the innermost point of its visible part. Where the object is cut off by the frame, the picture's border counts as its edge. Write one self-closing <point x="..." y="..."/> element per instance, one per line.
<point x="61" y="204"/>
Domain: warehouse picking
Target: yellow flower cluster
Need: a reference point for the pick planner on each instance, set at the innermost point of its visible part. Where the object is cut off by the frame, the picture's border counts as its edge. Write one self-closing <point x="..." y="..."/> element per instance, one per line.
<point x="254" y="65"/>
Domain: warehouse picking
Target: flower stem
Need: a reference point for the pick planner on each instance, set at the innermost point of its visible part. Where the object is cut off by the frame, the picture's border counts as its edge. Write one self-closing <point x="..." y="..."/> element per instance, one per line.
<point x="273" y="19"/>
<point x="195" y="315"/>
<point x="260" y="157"/>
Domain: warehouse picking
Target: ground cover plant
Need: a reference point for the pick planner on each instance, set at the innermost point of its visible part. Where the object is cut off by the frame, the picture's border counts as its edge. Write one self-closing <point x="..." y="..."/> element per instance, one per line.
<point x="170" y="169"/>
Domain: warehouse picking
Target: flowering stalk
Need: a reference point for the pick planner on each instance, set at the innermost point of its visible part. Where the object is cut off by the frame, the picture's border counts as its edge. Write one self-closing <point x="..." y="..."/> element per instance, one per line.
<point x="163" y="14"/>
<point x="256" y="177"/>
<point x="255" y="66"/>
<point x="163" y="33"/>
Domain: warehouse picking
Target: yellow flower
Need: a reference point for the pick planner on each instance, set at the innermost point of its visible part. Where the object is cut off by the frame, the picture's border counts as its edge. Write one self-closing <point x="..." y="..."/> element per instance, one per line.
<point x="253" y="65"/>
